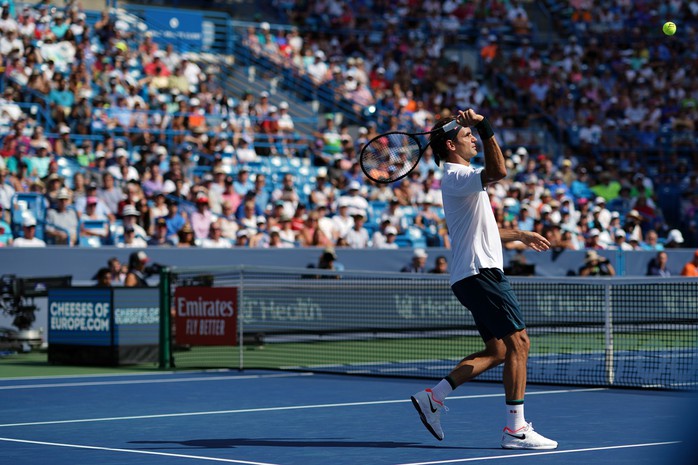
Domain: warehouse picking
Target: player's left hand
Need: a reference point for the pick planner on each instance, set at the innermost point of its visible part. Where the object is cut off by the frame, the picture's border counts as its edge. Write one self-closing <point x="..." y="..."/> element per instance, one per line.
<point x="535" y="241"/>
<point x="468" y="117"/>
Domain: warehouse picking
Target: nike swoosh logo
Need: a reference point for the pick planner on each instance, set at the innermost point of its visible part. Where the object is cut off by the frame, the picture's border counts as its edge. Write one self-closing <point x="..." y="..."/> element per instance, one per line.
<point x="517" y="436"/>
<point x="431" y="406"/>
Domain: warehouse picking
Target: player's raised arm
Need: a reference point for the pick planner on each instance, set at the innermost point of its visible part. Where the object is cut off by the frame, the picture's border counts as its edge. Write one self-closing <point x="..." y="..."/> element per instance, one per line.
<point x="495" y="168"/>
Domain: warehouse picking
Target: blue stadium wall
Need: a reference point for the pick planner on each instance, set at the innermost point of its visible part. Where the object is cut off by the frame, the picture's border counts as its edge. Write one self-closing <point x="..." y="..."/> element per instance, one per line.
<point x="83" y="263"/>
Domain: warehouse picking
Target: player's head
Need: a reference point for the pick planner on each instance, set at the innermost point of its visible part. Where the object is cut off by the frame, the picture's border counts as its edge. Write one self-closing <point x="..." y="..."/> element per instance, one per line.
<point x="439" y="139"/>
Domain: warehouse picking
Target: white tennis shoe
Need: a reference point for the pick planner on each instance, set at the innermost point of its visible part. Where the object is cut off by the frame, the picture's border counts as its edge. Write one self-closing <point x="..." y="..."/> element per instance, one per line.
<point x="526" y="438"/>
<point x="429" y="410"/>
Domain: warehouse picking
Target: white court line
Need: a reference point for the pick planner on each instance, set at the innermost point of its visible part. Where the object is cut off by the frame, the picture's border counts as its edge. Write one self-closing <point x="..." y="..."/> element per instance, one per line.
<point x="277" y="409"/>
<point x="134" y="451"/>
<point x="119" y="374"/>
<point x="151" y="381"/>
<point x="520" y="456"/>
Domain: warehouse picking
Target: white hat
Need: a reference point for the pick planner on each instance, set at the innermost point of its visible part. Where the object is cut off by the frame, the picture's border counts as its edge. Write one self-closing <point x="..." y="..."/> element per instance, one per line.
<point x="64" y="130"/>
<point x="63" y="194"/>
<point x="130" y="210"/>
<point x="522" y="151"/>
<point x="29" y="221"/>
<point x="194" y="102"/>
<point x="121" y="152"/>
<point x="420" y="253"/>
<point x="594" y="232"/>
<point x="283" y="105"/>
<point x="391" y="230"/>
<point x="261" y="219"/>
<point x="600" y="199"/>
<point x="354" y="185"/>
<point x="675" y="236"/>
<point x="509" y="202"/>
<point x="546" y="209"/>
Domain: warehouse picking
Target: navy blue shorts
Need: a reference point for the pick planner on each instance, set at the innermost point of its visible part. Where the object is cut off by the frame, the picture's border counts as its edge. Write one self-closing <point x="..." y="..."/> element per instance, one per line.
<point x="492" y="302"/>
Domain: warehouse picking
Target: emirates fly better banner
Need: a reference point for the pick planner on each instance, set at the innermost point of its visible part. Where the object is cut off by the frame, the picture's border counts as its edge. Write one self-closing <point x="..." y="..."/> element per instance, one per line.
<point x="206" y="315"/>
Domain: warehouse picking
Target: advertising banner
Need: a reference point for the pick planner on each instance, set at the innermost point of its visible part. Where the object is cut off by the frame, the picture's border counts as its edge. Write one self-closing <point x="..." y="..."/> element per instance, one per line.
<point x="185" y="29"/>
<point x="80" y="316"/>
<point x="206" y="315"/>
<point x="136" y="316"/>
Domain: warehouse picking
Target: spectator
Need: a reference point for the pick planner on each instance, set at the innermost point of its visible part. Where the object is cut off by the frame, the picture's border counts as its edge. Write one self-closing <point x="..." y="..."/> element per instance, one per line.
<point x="691" y="268"/>
<point x="175" y="220"/>
<point x="130" y="240"/>
<point x="136" y="270"/>
<point x="202" y="218"/>
<point x="118" y="270"/>
<point x="658" y="265"/>
<point x="674" y="239"/>
<point x="29" y="239"/>
<point x="185" y="236"/>
<point x="440" y="265"/>
<point x="103" y="277"/>
<point x="357" y="237"/>
<point x="159" y="238"/>
<point x="62" y="222"/>
<point x="596" y="265"/>
<point x="215" y="238"/>
<point x="130" y="219"/>
<point x="418" y="262"/>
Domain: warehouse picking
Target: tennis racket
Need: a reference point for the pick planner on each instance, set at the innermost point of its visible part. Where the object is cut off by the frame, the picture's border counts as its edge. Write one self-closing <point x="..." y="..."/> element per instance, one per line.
<point x="391" y="156"/>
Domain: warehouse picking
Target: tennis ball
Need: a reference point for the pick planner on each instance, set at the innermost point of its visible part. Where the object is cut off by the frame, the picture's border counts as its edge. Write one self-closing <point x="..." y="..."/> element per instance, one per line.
<point x="669" y="28"/>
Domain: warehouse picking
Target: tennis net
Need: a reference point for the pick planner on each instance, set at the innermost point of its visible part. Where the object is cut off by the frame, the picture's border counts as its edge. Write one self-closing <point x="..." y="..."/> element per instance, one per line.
<point x="639" y="332"/>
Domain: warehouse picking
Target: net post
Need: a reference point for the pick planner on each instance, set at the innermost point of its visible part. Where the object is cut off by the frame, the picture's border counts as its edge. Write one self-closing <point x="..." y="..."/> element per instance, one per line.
<point x="165" y="352"/>
<point x="241" y="342"/>
<point x="608" y="335"/>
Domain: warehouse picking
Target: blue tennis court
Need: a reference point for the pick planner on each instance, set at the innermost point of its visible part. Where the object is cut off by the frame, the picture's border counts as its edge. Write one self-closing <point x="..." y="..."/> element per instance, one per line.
<point x="283" y="418"/>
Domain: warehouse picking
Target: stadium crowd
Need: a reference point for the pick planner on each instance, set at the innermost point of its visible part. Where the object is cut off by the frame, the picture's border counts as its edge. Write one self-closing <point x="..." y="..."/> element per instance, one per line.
<point x="165" y="157"/>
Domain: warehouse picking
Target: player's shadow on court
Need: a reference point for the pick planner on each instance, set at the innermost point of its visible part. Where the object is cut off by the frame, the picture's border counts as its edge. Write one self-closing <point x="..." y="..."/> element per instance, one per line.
<point x="293" y="442"/>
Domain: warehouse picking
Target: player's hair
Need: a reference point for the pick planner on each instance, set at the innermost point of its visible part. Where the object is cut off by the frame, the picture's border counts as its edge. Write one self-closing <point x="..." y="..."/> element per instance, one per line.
<point x="438" y="139"/>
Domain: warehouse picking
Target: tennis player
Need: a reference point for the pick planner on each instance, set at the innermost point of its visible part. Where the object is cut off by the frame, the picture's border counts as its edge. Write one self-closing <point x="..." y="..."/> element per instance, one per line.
<point x="477" y="278"/>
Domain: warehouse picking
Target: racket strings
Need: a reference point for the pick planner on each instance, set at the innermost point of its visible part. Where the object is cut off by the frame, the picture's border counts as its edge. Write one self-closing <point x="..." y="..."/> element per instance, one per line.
<point x="390" y="157"/>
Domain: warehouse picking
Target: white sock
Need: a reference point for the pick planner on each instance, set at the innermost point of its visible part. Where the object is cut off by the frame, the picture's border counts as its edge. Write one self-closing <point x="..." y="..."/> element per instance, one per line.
<point x="442" y="390"/>
<point x="515" y="416"/>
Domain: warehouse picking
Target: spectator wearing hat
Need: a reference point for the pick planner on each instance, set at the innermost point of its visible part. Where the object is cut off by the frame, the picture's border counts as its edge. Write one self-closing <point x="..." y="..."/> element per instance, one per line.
<point x="62" y="221"/>
<point x="418" y="262"/>
<point x="343" y="221"/>
<point x="92" y="212"/>
<point x="285" y="122"/>
<point x="287" y="233"/>
<point x="323" y="193"/>
<point x="384" y="237"/>
<point x="159" y="238"/>
<point x="259" y="238"/>
<point x="185" y="236"/>
<point x="357" y="237"/>
<point x="275" y="241"/>
<point x="596" y="265"/>
<point x="6" y="190"/>
<point x="690" y="269"/>
<point x="242" y="238"/>
<point x="135" y="277"/>
<point x="632" y="225"/>
<point x="354" y="200"/>
<point x="130" y="239"/>
<point x="28" y="239"/>
<point x="129" y="218"/>
<point x="262" y="196"/>
<point x="202" y="218"/>
<point x="674" y="239"/>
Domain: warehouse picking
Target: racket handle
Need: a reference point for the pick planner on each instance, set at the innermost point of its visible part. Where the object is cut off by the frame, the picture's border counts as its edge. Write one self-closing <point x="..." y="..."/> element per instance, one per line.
<point x="484" y="129"/>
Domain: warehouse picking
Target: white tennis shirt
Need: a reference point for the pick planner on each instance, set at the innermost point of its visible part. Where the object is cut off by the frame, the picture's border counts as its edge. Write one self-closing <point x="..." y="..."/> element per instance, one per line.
<point x="475" y="240"/>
